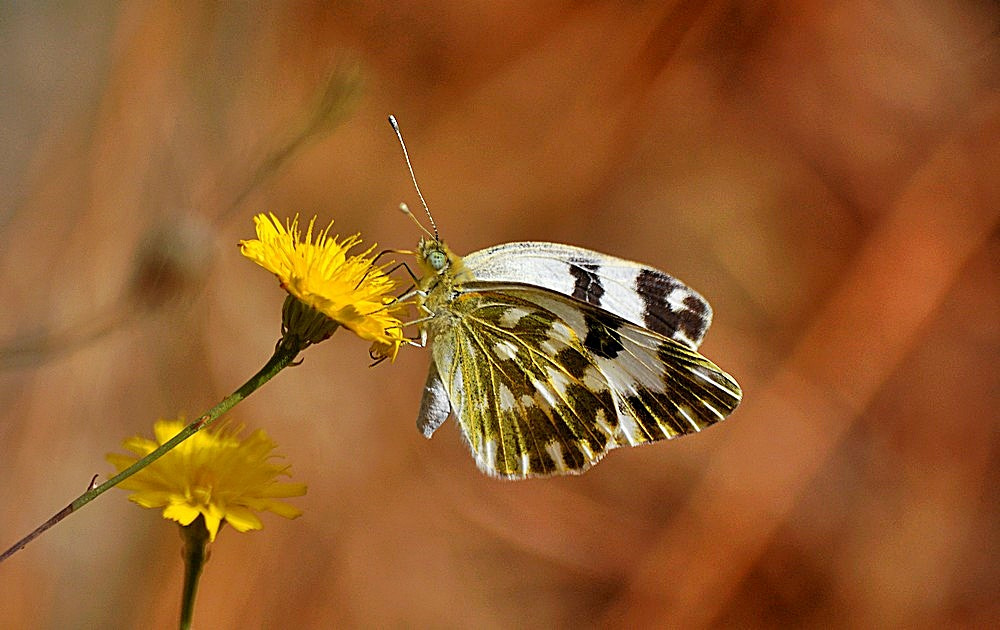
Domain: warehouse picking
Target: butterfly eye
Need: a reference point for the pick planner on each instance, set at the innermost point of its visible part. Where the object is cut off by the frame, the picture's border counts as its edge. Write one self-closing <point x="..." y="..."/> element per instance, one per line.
<point x="437" y="259"/>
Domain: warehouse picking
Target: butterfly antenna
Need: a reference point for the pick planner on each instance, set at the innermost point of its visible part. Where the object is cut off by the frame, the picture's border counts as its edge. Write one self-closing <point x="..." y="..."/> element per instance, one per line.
<point x="406" y="155"/>
<point x="405" y="209"/>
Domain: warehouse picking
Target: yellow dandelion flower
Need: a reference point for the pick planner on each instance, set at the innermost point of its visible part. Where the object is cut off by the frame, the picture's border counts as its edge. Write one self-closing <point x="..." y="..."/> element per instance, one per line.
<point x="319" y="273"/>
<point x="213" y="473"/>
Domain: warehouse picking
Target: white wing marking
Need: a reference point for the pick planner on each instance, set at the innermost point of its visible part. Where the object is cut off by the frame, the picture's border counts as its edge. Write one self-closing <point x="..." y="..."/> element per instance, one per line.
<point x="555" y="451"/>
<point x="505" y="350"/>
<point x="512" y="316"/>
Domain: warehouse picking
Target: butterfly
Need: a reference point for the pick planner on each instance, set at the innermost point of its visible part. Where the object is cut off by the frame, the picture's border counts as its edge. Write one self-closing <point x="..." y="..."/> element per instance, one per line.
<point x="550" y="355"/>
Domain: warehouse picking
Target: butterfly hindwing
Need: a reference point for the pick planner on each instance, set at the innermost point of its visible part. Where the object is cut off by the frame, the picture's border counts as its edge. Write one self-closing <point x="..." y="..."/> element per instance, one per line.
<point x="637" y="293"/>
<point x="542" y="383"/>
<point x="522" y="411"/>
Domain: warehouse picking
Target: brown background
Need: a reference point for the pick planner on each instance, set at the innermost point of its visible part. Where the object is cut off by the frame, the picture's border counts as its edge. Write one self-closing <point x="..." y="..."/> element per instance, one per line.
<point x="826" y="174"/>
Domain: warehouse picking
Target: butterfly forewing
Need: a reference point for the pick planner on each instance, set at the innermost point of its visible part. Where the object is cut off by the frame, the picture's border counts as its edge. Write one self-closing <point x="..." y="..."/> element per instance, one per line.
<point x="637" y="293"/>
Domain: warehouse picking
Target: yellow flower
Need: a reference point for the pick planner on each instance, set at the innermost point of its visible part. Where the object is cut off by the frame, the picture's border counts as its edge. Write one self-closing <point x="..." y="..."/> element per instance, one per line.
<point x="319" y="273"/>
<point x="212" y="473"/>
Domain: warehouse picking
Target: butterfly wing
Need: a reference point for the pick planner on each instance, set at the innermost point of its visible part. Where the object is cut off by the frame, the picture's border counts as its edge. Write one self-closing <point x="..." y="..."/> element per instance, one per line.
<point x="542" y="383"/>
<point x="639" y="294"/>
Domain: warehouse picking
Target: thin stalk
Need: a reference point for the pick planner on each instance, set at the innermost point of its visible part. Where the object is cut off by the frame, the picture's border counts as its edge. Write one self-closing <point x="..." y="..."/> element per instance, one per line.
<point x="195" y="538"/>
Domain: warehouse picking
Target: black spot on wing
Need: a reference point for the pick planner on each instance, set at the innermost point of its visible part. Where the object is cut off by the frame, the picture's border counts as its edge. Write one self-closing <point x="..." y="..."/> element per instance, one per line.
<point x="573" y="361"/>
<point x="691" y="319"/>
<point x="588" y="287"/>
<point x="603" y="338"/>
<point x="694" y="305"/>
<point x="693" y="322"/>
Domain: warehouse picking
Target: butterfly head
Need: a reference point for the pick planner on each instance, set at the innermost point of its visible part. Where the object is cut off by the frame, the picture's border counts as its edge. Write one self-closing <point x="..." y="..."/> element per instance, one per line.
<point x="433" y="255"/>
<point x="437" y="259"/>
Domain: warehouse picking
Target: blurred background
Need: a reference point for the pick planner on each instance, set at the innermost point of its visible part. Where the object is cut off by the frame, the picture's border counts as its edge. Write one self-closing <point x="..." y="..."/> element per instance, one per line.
<point x="825" y="174"/>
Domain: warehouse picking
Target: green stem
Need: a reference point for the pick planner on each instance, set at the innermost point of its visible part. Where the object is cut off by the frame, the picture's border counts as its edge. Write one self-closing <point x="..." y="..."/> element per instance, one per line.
<point x="195" y="538"/>
<point x="286" y="351"/>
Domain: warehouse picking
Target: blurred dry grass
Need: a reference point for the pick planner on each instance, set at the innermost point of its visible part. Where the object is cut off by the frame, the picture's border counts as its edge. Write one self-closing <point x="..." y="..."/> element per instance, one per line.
<point x="825" y="174"/>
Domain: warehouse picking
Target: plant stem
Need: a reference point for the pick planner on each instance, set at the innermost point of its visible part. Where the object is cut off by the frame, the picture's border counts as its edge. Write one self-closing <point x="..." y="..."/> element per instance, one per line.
<point x="286" y="351"/>
<point x="195" y="538"/>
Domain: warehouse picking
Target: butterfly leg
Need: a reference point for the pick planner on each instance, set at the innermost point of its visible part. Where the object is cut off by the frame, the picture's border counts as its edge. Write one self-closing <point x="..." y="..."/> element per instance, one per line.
<point x="421" y="339"/>
<point x="371" y="268"/>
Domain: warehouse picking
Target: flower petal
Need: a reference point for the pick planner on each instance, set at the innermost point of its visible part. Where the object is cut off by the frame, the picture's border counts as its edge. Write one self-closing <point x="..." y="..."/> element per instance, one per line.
<point x="215" y="474"/>
<point x="242" y="519"/>
<point x="182" y="513"/>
